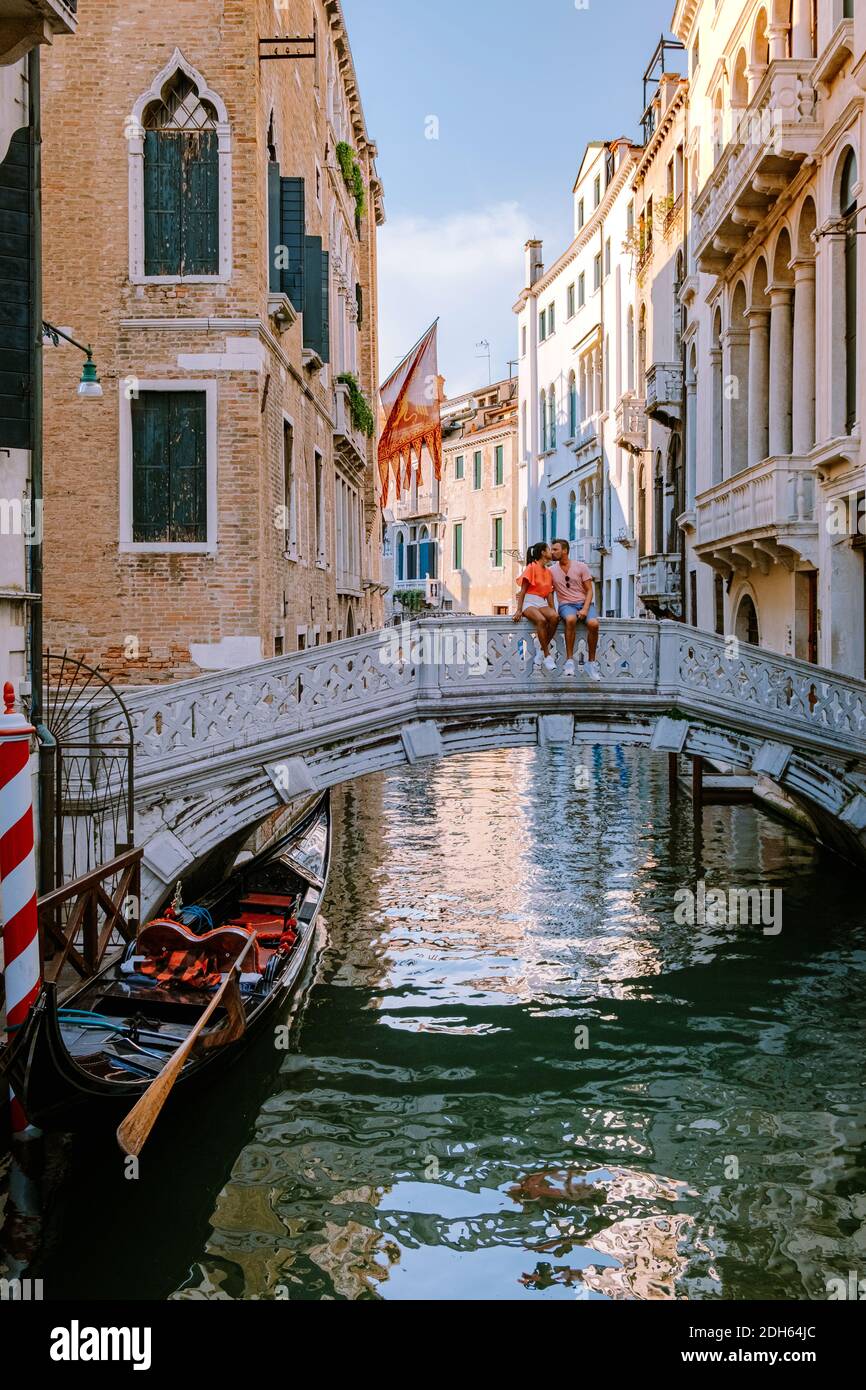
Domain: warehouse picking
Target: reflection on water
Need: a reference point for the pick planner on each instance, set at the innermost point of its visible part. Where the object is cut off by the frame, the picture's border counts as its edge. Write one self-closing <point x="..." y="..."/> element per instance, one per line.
<point x="516" y="1075"/>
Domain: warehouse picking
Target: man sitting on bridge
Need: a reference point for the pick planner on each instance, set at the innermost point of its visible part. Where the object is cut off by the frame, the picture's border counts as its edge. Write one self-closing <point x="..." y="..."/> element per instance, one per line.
<point x="572" y="583"/>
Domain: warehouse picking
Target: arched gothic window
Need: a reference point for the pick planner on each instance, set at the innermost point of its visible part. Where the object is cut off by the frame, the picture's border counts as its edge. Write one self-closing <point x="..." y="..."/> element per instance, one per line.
<point x="179" y="144"/>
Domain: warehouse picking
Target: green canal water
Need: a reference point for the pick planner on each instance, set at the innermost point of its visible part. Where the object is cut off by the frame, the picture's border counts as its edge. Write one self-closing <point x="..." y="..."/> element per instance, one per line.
<point x="516" y="1075"/>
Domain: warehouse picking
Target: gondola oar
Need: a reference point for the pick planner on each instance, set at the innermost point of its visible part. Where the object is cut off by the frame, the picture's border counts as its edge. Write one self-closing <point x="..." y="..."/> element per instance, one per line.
<point x="133" y="1132"/>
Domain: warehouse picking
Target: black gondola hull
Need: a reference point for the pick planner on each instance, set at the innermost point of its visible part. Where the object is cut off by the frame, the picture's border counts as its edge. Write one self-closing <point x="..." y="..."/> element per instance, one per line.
<point x="59" y="1094"/>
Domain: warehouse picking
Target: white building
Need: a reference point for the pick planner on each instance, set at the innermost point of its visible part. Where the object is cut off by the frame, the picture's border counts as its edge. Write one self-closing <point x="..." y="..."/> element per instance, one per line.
<point x="577" y="477"/>
<point x="775" y="299"/>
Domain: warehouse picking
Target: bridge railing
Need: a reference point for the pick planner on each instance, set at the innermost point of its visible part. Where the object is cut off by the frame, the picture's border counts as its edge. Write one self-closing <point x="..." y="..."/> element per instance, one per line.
<point x="384" y="678"/>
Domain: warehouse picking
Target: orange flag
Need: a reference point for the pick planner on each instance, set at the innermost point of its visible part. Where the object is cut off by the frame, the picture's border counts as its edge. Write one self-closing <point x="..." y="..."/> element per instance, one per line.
<point x="411" y="402"/>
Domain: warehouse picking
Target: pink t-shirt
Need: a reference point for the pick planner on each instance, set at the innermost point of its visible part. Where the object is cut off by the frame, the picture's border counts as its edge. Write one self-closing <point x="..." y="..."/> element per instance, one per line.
<point x="571" y="584"/>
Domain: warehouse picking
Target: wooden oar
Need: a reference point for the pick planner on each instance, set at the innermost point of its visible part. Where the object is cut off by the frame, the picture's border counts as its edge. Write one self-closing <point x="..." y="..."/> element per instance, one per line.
<point x="133" y="1133"/>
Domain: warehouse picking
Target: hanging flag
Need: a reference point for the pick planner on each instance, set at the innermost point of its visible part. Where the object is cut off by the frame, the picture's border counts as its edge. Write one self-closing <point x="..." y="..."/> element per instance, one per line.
<point x="410" y="403"/>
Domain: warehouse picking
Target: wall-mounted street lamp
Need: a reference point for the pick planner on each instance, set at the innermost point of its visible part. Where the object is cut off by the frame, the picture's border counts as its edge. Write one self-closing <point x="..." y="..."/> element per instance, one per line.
<point x="89" y="384"/>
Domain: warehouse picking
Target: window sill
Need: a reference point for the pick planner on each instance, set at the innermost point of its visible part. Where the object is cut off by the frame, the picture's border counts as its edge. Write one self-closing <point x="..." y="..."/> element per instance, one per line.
<point x="179" y="279"/>
<point x="166" y="548"/>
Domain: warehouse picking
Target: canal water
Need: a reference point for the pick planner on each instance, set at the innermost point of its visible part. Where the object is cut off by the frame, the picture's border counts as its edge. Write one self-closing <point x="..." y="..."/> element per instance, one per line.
<point x="518" y="1073"/>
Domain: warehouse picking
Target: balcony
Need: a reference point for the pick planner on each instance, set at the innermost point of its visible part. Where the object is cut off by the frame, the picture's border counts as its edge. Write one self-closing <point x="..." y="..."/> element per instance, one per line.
<point x="26" y="23"/>
<point x="589" y="552"/>
<point x="760" y="517"/>
<point x="664" y="393"/>
<point x="772" y="137"/>
<point x="586" y="444"/>
<point x="432" y="590"/>
<point x="630" y="423"/>
<point x="659" y="584"/>
<point x="350" y="445"/>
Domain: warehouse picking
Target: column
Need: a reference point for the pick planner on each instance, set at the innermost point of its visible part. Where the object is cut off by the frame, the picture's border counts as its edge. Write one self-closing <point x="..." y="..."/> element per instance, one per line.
<point x="735" y="400"/>
<point x="781" y="368"/>
<point x="759" y="382"/>
<point x="777" y="35"/>
<point x="803" y="425"/>
<point x="717" y="378"/>
<point x="691" y="441"/>
<point x="754" y="78"/>
<point x="801" y="29"/>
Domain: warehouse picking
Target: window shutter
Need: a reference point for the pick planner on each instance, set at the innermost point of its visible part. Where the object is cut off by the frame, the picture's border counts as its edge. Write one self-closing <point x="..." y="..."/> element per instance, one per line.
<point x="187" y="445"/>
<point x="201" y="202"/>
<point x="317" y="269"/>
<point x="151" y="469"/>
<point x="169" y="468"/>
<point x="275" y="283"/>
<point x="326" y="307"/>
<point x="359" y="301"/>
<point x="292" y="235"/>
<point x="15" y="274"/>
<point x="162" y="204"/>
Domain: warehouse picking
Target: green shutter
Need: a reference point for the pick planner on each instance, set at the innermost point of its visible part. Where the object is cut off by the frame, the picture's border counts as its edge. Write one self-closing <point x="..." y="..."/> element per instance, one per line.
<point x="500" y="465"/>
<point x="313" y="294"/>
<point x="181" y="203"/>
<point x="15" y="286"/>
<point x="274" y="227"/>
<point x="162" y="204"/>
<point x="292" y="236"/>
<point x="326" y="307"/>
<point x="200" y="204"/>
<point x="169" y="467"/>
<point x="359" y="303"/>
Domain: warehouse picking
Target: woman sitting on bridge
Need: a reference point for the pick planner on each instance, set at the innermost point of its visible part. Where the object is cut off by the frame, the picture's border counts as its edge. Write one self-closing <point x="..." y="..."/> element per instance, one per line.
<point x="534" y="602"/>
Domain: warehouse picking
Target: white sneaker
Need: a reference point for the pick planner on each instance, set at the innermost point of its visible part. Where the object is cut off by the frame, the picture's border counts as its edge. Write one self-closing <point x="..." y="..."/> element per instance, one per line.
<point x="549" y="663"/>
<point x="569" y="668"/>
<point x="592" y="671"/>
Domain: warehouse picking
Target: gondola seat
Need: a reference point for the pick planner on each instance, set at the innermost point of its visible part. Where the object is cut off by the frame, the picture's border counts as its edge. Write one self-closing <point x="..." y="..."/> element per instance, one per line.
<point x="222" y="946"/>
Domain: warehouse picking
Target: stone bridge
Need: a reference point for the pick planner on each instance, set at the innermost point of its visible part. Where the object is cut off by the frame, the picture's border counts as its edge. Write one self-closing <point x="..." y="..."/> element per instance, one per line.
<point x="217" y="755"/>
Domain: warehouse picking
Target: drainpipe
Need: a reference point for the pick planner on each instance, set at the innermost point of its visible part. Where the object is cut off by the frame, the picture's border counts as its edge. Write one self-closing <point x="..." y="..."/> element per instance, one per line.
<point x="47" y="743"/>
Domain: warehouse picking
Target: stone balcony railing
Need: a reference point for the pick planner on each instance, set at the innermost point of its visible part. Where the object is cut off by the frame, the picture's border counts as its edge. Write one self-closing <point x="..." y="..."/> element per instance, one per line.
<point x="350" y="444"/>
<point x="659" y="582"/>
<point x="432" y="589"/>
<point x="630" y="423"/>
<point x="770" y="139"/>
<point x="763" y="515"/>
<point x="586" y="443"/>
<point x="26" y="23"/>
<point x="664" y="392"/>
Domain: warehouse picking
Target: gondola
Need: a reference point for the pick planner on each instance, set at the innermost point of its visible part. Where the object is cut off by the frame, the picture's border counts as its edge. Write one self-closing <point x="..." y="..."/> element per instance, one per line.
<point x="88" y="1061"/>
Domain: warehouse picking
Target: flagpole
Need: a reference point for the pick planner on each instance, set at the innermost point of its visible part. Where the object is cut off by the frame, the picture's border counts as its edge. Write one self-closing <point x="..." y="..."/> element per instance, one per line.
<point x="412" y="349"/>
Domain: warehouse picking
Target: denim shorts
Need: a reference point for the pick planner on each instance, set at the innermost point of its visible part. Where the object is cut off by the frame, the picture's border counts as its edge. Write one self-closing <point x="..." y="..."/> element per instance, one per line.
<point x="571" y="610"/>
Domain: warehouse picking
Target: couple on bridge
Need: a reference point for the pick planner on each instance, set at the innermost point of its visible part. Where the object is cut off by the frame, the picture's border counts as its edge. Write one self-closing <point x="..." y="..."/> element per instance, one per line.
<point x="553" y="589"/>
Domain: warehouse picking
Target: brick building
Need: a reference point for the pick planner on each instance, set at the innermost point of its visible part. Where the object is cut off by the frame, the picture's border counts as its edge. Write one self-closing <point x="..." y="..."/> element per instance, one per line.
<point x="212" y="206"/>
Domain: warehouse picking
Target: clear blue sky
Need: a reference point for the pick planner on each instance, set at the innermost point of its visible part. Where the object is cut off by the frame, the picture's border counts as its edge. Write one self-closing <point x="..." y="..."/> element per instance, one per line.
<point x="518" y="88"/>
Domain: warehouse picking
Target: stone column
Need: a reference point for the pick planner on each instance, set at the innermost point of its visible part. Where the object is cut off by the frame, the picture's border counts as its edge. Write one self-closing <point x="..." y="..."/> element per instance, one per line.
<point x="781" y="367"/>
<point x="801" y="29"/>
<point x="778" y="38"/>
<point x="754" y="78"/>
<point x="803" y="424"/>
<point x="735" y="400"/>
<point x="717" y="379"/>
<point x="759" y="383"/>
<point x="691" y="441"/>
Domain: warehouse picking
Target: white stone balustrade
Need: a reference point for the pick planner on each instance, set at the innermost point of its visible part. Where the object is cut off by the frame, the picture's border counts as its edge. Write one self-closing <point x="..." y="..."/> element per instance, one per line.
<point x="664" y="390"/>
<point x="630" y="423"/>
<point x="779" y="126"/>
<point x="772" y="502"/>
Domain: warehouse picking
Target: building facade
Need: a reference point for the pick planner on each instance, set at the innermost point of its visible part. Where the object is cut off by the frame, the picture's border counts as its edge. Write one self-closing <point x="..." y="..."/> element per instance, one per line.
<point x="218" y="507"/>
<point x="580" y="438"/>
<point x="775" y="302"/>
<point x="25" y="29"/>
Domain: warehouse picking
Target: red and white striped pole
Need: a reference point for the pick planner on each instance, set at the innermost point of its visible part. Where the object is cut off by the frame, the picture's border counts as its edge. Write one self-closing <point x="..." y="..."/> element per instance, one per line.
<point x="17" y="875"/>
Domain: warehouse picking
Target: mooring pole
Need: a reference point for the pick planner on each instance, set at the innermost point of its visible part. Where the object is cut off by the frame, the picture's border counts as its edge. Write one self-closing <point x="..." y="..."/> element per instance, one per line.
<point x="698" y="786"/>
<point x="673" y="777"/>
<point x="18" y="905"/>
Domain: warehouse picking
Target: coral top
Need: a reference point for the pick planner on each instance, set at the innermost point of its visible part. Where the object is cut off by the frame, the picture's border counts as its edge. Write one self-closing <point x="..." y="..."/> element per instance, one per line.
<point x="538" y="580"/>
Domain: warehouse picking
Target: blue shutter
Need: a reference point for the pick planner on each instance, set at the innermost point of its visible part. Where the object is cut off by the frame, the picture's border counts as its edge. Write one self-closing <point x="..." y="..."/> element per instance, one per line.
<point x="313" y="295"/>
